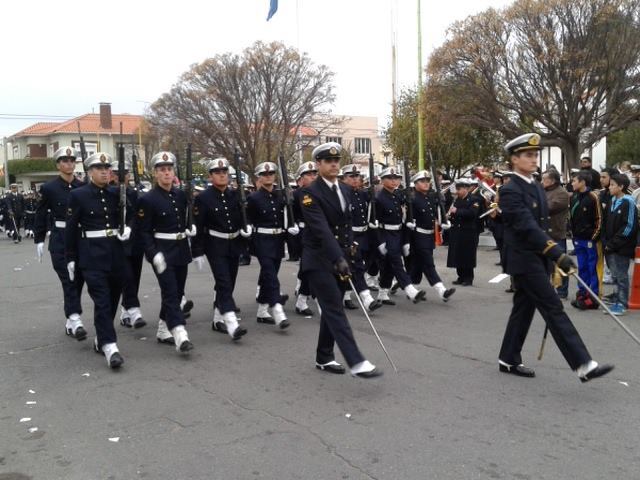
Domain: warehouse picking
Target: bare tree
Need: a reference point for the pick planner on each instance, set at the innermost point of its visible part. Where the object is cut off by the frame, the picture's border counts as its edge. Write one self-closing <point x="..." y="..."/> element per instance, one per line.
<point x="569" y="69"/>
<point x="257" y="101"/>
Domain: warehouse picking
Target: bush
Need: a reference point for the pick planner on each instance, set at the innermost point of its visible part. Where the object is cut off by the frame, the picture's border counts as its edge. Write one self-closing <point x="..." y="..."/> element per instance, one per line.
<point x="30" y="165"/>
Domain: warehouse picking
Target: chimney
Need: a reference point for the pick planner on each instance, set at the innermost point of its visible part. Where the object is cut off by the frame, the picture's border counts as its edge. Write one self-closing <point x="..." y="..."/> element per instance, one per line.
<point x="105" y="116"/>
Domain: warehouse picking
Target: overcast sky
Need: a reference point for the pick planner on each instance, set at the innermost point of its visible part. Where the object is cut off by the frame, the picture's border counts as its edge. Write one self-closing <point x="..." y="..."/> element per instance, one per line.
<point x="64" y="57"/>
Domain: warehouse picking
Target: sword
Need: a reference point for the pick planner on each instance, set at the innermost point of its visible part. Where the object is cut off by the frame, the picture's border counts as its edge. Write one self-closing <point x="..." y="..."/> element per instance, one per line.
<point x="574" y="274"/>
<point x="375" y="332"/>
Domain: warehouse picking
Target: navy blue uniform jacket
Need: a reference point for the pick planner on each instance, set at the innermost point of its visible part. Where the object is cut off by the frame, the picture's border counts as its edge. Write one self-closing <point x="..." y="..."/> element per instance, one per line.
<point x="327" y="236"/>
<point x="528" y="246"/>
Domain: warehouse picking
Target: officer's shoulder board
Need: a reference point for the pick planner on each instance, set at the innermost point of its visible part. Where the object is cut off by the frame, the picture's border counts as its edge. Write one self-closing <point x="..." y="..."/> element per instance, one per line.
<point x="307" y="200"/>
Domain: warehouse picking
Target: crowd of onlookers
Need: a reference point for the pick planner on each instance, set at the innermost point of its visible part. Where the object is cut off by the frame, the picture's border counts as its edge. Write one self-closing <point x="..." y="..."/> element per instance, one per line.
<point x="598" y="211"/>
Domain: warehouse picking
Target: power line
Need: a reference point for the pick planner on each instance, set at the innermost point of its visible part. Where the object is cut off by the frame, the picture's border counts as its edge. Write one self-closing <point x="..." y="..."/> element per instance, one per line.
<point x="24" y="116"/>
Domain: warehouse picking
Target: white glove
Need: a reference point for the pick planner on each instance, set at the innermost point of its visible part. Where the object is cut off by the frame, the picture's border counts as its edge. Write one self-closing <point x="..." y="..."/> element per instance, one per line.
<point x="375" y="224"/>
<point x="406" y="249"/>
<point x="191" y="232"/>
<point x="1" y="217"/>
<point x="124" y="236"/>
<point x="246" y="232"/>
<point x="445" y="226"/>
<point x="411" y="225"/>
<point x="48" y="233"/>
<point x="382" y="248"/>
<point x="159" y="262"/>
<point x="293" y="230"/>
<point x="40" y="250"/>
<point x="71" y="268"/>
<point x="199" y="262"/>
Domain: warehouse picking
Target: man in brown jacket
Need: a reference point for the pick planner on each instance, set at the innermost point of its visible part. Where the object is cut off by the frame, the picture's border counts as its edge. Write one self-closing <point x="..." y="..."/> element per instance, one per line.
<point x="558" y="201"/>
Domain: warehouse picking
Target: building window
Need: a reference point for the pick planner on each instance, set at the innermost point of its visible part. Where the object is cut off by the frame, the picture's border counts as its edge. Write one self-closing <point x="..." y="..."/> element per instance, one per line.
<point x="363" y="145"/>
<point x="334" y="139"/>
<point x="89" y="146"/>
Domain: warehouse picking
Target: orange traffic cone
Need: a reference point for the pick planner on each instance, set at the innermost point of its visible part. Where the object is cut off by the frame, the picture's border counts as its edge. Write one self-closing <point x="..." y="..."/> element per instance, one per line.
<point x="634" y="293"/>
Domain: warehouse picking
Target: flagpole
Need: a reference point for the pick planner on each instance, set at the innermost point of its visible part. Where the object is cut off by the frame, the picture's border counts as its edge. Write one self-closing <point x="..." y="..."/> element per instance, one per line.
<point x="420" y="107"/>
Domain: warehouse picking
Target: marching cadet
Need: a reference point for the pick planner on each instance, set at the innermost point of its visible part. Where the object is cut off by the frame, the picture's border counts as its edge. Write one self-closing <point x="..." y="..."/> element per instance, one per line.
<point x="328" y="243"/>
<point x="130" y="314"/>
<point x="54" y="197"/>
<point x="360" y="226"/>
<point x="265" y="208"/>
<point x="463" y="237"/>
<point x="307" y="173"/>
<point x="425" y="214"/>
<point x="162" y="216"/>
<point x="394" y="242"/>
<point x="531" y="253"/>
<point x="14" y="203"/>
<point x="30" y="204"/>
<point x="93" y="244"/>
<point x="220" y="236"/>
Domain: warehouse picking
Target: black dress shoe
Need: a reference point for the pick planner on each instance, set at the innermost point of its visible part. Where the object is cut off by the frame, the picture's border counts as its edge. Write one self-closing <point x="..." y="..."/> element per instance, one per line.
<point x="394" y="288"/>
<point x="307" y="312"/>
<point x="376" y="372"/>
<point x="599" y="371"/>
<point x="219" y="327"/>
<point x="331" y="367"/>
<point x="457" y="281"/>
<point x="376" y="304"/>
<point x="466" y="283"/>
<point x="284" y="324"/>
<point x="237" y="309"/>
<point x="421" y="296"/>
<point x="116" y="360"/>
<point x="349" y="305"/>
<point x="188" y="306"/>
<point x="510" y="290"/>
<point x="266" y="320"/>
<point x="447" y="293"/>
<point x="519" y="370"/>
<point x="388" y="302"/>
<point x="80" y="334"/>
<point x="185" y="346"/>
<point x="239" y="333"/>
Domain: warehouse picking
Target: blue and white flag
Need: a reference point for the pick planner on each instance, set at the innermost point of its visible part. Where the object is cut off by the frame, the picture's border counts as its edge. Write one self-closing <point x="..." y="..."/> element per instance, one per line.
<point x="273" y="8"/>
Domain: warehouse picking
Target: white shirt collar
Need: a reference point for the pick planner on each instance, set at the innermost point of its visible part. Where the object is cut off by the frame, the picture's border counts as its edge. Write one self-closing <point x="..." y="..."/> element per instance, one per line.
<point x="529" y="180"/>
<point x="331" y="184"/>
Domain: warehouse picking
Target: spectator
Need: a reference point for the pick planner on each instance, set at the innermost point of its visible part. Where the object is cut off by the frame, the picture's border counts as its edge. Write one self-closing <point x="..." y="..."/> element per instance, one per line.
<point x="586" y="222"/>
<point x="620" y="234"/>
<point x="585" y="166"/>
<point x="558" y="202"/>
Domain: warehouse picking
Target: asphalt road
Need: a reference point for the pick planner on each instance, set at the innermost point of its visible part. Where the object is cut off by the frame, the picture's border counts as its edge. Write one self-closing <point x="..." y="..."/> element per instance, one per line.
<point x="258" y="409"/>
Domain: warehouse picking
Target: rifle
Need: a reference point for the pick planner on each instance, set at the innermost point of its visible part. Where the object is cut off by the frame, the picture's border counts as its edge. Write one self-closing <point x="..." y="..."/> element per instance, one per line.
<point x="372" y="191"/>
<point x="122" y="185"/>
<point x="83" y="153"/>
<point x="286" y="190"/>
<point x="240" y="183"/>
<point x="408" y="193"/>
<point x="178" y="171"/>
<point x="436" y="183"/>
<point x="187" y="186"/>
<point x="134" y="166"/>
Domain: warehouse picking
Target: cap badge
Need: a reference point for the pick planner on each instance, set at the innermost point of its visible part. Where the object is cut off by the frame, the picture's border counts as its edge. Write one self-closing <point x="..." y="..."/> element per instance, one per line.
<point x="310" y="166"/>
<point x="220" y="164"/>
<point x="392" y="172"/>
<point x="103" y="158"/>
<point x="165" y="157"/>
<point x="534" y="140"/>
<point x="266" y="167"/>
<point x="68" y="152"/>
<point x="354" y="169"/>
<point x="333" y="151"/>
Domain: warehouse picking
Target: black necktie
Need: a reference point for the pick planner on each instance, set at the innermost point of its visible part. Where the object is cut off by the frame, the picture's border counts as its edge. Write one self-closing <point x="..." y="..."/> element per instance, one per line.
<point x="334" y="187"/>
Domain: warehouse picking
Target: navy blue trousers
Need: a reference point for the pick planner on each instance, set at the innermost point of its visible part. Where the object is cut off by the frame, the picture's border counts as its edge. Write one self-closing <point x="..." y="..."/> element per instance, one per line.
<point x="172" y="282"/>
<point x="334" y="325"/>
<point x="104" y="289"/>
<point x="225" y="273"/>
<point x="71" y="290"/>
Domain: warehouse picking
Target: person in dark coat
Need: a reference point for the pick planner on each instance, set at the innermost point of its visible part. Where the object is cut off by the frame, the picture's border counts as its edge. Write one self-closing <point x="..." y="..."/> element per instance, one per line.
<point x="327" y="247"/>
<point x="93" y="245"/>
<point x="530" y="255"/>
<point x="620" y="234"/>
<point x="14" y="204"/>
<point x="162" y="222"/>
<point x="221" y="237"/>
<point x="585" y="166"/>
<point x="54" y="197"/>
<point x="463" y="236"/>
